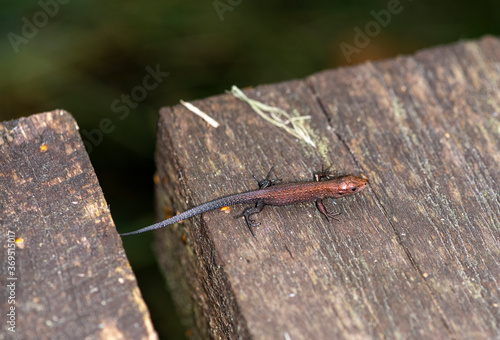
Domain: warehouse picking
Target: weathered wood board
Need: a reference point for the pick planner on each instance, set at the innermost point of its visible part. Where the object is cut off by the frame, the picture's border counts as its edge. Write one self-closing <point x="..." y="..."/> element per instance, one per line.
<point x="61" y="257"/>
<point x="414" y="256"/>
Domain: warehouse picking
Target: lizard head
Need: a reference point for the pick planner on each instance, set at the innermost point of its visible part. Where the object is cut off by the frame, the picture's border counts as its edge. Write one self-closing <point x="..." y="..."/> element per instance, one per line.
<point x="350" y="184"/>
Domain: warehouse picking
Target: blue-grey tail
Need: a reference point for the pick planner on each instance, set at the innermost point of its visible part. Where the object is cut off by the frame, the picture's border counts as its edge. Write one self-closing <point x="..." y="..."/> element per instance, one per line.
<point x="202" y="208"/>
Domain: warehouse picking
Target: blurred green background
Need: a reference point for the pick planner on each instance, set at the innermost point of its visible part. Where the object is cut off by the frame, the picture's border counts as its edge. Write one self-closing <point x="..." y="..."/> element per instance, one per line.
<point x="87" y="56"/>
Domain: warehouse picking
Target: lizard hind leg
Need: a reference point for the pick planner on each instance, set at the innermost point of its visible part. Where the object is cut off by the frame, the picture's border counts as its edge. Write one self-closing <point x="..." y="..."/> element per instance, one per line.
<point x="249" y="212"/>
<point x="266" y="182"/>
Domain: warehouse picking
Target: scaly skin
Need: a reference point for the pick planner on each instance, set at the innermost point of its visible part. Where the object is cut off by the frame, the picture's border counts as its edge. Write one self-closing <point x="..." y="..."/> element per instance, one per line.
<point x="275" y="194"/>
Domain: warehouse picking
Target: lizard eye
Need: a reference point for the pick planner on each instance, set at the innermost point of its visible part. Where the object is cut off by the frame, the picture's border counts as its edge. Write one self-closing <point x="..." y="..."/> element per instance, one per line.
<point x="354" y="189"/>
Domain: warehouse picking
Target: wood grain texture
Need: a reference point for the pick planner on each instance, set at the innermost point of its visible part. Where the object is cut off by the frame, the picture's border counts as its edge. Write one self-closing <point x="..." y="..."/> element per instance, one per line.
<point x="414" y="256"/>
<point x="73" y="280"/>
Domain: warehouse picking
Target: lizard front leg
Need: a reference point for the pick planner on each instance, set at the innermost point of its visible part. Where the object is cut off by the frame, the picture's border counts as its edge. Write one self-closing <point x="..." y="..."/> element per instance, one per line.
<point x="322" y="209"/>
<point x="324" y="173"/>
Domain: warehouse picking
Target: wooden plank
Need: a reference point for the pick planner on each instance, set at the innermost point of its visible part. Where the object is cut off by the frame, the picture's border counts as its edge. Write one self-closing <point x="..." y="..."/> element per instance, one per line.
<point x="433" y="146"/>
<point x="414" y="256"/>
<point x="69" y="271"/>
